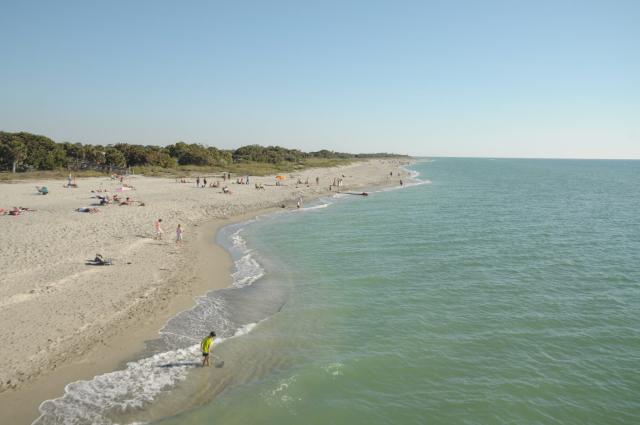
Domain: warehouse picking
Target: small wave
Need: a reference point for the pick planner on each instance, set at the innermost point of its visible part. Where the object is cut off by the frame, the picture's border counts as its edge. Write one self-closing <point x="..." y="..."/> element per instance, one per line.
<point x="186" y="328"/>
<point x="124" y="391"/>
<point x="120" y="391"/>
<point x="237" y="241"/>
<point x="248" y="270"/>
<point x="414" y="180"/>
<point x="245" y="329"/>
<point x="315" y="207"/>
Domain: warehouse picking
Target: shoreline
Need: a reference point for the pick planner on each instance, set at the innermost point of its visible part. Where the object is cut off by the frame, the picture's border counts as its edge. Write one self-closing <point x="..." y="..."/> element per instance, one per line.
<point x="211" y="270"/>
<point x="124" y="346"/>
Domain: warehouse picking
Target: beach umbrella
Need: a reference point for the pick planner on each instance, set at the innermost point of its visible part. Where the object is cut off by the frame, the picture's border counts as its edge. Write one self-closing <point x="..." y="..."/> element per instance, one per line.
<point x="279" y="177"/>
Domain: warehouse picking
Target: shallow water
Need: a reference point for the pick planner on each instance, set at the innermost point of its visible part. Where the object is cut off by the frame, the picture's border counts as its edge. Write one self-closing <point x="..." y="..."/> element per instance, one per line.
<point x="506" y="291"/>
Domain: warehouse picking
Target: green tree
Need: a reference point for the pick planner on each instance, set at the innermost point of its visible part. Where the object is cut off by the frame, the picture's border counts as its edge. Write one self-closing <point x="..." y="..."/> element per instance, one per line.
<point x="191" y="154"/>
<point x="114" y="157"/>
<point x="94" y="154"/>
<point x="42" y="152"/>
<point x="133" y="154"/>
<point x="13" y="151"/>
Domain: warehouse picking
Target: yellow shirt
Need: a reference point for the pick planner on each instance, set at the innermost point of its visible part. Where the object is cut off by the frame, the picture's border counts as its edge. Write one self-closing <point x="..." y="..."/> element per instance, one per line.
<point x="206" y="343"/>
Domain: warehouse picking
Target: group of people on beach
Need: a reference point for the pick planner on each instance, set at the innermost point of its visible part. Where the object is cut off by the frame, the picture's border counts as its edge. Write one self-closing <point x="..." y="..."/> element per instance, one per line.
<point x="203" y="183"/>
<point x="225" y="177"/>
<point x="338" y="182"/>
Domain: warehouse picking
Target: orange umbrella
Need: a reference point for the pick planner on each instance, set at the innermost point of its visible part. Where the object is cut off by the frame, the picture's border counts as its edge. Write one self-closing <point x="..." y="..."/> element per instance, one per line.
<point x="280" y="177"/>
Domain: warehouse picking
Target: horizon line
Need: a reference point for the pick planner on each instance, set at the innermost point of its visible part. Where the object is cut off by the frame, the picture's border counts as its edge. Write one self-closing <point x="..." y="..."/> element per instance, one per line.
<point x="525" y="157"/>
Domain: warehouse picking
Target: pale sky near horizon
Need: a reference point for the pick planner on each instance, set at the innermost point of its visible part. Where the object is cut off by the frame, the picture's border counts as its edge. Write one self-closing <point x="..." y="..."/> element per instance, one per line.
<point x="457" y="78"/>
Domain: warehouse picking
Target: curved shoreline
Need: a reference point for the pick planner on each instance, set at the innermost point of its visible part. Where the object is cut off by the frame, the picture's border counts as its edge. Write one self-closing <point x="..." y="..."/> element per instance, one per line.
<point x="147" y="314"/>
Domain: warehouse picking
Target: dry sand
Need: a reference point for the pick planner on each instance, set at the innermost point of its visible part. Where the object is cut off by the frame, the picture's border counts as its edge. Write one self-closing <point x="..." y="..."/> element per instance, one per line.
<point x="62" y="320"/>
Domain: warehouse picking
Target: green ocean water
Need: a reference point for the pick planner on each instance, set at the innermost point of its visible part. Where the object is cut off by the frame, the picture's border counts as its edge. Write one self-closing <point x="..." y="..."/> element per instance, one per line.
<point x="504" y="292"/>
<point x="499" y="292"/>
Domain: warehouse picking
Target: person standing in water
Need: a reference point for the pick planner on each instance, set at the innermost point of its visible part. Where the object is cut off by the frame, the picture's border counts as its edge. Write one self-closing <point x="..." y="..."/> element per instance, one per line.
<point x="205" y="346"/>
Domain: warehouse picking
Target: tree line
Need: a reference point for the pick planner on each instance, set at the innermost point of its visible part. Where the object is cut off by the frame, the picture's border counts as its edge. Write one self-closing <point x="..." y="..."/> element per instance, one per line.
<point x="25" y="152"/>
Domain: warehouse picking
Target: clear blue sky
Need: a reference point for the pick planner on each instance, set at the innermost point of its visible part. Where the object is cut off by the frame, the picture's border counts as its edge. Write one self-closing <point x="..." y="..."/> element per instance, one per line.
<point x="457" y="78"/>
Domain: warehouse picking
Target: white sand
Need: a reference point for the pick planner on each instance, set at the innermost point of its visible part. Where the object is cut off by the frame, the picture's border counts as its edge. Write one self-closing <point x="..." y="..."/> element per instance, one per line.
<point x="54" y="309"/>
<point x="53" y="306"/>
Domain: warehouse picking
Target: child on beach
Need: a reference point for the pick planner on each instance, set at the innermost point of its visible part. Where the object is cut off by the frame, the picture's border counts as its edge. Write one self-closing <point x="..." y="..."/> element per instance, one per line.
<point x="179" y="232"/>
<point x="158" y="226"/>
<point x="205" y="346"/>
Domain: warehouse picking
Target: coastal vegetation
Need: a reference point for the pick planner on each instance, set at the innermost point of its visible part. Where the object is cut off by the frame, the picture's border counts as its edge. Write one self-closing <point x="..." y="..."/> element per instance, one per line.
<point x="26" y="154"/>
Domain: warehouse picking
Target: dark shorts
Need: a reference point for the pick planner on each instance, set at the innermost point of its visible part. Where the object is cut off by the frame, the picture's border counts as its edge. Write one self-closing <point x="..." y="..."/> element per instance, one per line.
<point x="205" y="354"/>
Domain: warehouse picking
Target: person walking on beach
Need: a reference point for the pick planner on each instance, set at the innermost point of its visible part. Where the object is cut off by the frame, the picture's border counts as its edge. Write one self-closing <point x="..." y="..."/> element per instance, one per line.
<point x="205" y="346"/>
<point x="179" y="232"/>
<point x="198" y="181"/>
<point x="158" y="227"/>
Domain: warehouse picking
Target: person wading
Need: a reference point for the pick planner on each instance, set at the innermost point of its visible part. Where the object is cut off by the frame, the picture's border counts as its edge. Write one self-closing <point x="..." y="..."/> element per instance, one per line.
<point x="205" y="346"/>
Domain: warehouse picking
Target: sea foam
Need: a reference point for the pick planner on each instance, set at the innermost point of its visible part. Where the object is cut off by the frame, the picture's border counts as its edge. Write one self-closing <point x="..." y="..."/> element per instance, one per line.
<point x="124" y="391"/>
<point x="98" y="400"/>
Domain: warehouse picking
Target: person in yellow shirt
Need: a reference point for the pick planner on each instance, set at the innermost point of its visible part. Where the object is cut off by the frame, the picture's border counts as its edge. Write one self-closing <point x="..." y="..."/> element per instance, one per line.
<point x="205" y="346"/>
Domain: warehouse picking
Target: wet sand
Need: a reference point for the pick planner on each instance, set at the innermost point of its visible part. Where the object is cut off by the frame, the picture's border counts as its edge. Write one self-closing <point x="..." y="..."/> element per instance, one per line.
<point x="64" y="321"/>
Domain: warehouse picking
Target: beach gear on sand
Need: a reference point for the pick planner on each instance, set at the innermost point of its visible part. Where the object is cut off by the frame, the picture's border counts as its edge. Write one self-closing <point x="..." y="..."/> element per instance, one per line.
<point x="99" y="261"/>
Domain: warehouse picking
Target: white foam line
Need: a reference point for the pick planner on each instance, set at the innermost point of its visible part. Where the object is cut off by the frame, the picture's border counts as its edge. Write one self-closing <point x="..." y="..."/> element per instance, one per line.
<point x="315" y="207"/>
<point x="413" y="175"/>
<point x="124" y="390"/>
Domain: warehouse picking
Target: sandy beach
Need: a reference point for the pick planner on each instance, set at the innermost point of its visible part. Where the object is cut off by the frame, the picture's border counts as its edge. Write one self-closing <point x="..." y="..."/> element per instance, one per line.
<point x="63" y="320"/>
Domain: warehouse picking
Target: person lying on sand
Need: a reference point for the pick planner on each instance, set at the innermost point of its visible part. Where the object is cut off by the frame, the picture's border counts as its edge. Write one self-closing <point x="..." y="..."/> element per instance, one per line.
<point x="16" y="210"/>
<point x="99" y="261"/>
<point x="226" y="190"/>
<point x="131" y="201"/>
<point x="90" y="210"/>
<point x="43" y="190"/>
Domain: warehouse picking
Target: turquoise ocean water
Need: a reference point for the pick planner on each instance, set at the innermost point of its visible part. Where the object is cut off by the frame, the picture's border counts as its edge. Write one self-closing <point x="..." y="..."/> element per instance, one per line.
<point x="498" y="292"/>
